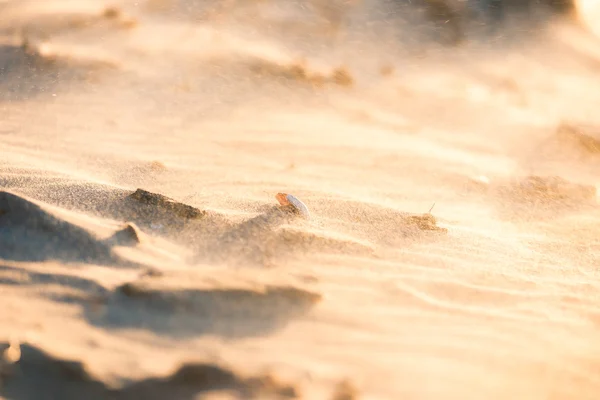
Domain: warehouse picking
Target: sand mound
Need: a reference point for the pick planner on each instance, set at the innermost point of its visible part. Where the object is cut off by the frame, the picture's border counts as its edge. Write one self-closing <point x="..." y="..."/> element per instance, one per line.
<point x="552" y="190"/>
<point x="210" y="236"/>
<point x="224" y="312"/>
<point x="266" y="238"/>
<point x="584" y="138"/>
<point x="31" y="232"/>
<point x="533" y="197"/>
<point x="37" y="374"/>
<point x="379" y="224"/>
<point x="37" y="231"/>
<point x="566" y="145"/>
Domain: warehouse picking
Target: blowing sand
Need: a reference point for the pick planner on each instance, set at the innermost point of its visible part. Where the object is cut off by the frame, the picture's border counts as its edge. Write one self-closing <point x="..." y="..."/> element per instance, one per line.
<point x="144" y="255"/>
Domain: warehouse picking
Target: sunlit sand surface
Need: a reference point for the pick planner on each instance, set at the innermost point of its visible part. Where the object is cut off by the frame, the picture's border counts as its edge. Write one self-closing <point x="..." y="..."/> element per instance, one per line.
<point x="453" y="244"/>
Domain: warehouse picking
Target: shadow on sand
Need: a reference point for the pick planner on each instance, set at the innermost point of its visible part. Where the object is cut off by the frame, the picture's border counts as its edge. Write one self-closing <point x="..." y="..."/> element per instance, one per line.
<point x="38" y="375"/>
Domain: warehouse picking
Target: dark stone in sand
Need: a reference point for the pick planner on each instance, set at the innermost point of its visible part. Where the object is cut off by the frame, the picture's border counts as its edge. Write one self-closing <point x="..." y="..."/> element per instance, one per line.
<point x="158" y="200"/>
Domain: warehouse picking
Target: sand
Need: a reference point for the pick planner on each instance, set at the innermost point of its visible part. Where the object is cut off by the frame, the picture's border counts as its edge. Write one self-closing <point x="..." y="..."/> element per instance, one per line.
<point x="452" y="249"/>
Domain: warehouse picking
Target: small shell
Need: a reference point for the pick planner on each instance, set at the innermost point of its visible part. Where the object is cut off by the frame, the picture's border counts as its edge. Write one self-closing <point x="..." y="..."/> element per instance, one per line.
<point x="289" y="200"/>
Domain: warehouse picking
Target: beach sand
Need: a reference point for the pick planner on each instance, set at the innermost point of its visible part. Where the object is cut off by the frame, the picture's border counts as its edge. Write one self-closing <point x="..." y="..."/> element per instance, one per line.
<point x="453" y="244"/>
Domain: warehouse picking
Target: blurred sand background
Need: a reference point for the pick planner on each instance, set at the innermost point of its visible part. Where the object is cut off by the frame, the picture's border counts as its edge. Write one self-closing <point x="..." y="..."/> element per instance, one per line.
<point x="365" y="111"/>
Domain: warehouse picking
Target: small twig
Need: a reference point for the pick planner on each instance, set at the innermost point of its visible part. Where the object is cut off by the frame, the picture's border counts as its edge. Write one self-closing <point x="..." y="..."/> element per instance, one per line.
<point x="429" y="212"/>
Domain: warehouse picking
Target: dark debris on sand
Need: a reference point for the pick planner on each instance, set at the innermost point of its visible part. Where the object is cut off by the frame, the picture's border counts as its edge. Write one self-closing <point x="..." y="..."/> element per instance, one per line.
<point x="301" y="73"/>
<point x="425" y="222"/>
<point x="165" y="203"/>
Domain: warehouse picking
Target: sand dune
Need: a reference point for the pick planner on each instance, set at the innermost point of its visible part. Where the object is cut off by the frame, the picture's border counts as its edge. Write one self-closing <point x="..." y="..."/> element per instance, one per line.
<point x="452" y="246"/>
<point x="36" y="235"/>
<point x="41" y="372"/>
